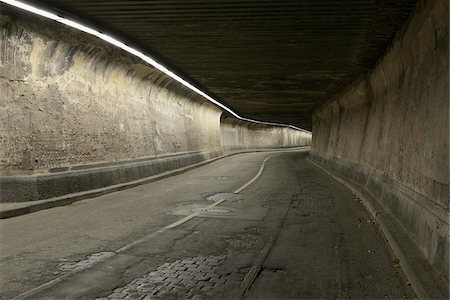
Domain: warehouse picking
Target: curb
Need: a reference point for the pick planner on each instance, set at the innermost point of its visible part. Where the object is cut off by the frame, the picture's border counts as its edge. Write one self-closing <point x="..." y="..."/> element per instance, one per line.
<point x="71" y="198"/>
<point x="409" y="262"/>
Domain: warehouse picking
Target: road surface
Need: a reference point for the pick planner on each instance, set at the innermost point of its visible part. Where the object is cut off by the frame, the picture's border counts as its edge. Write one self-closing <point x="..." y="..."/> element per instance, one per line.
<point x="293" y="233"/>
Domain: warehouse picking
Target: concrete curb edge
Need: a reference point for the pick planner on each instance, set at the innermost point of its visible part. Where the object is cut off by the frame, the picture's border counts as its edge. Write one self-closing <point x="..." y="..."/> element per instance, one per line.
<point x="71" y="198"/>
<point x="382" y="218"/>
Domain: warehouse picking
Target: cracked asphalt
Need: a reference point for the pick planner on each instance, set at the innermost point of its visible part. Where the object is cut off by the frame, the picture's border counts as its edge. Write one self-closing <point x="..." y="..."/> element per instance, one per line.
<point x="301" y="233"/>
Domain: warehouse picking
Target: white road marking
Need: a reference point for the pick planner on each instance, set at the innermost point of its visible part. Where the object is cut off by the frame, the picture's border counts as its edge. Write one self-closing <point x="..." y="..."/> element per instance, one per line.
<point x="187" y="218"/>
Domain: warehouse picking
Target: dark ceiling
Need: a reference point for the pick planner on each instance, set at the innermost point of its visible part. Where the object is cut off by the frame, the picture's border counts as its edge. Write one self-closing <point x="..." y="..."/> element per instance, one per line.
<point x="272" y="60"/>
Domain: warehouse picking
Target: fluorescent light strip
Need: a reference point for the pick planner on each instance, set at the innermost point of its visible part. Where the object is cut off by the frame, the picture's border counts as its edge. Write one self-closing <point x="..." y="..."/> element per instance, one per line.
<point x="147" y="59"/>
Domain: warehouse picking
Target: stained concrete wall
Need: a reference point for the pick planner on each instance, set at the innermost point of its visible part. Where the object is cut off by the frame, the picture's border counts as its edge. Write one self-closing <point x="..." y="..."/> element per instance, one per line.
<point x="69" y="99"/>
<point x="238" y="135"/>
<point x="79" y="114"/>
<point x="389" y="133"/>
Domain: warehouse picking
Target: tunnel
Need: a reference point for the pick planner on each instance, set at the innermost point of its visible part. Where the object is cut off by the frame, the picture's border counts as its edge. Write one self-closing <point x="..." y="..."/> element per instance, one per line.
<point x="210" y="149"/>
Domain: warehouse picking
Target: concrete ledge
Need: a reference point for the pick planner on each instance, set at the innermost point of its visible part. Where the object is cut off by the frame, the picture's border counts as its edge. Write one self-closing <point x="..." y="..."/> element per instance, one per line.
<point x="69" y="180"/>
<point x="408" y="221"/>
<point x="256" y="147"/>
<point x="9" y="210"/>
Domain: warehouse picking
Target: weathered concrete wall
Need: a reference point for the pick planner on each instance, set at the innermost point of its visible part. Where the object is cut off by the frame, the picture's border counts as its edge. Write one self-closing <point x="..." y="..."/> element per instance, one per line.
<point x="237" y="135"/>
<point x="69" y="99"/>
<point x="389" y="131"/>
<point x="77" y="114"/>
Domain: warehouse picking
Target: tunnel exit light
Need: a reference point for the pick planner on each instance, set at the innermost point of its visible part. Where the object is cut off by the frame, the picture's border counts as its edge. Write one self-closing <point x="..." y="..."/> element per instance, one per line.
<point x="137" y="53"/>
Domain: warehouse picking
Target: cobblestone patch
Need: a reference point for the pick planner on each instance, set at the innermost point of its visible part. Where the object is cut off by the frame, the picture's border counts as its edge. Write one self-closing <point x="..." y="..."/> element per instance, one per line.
<point x="312" y="198"/>
<point x="243" y="240"/>
<point x="192" y="278"/>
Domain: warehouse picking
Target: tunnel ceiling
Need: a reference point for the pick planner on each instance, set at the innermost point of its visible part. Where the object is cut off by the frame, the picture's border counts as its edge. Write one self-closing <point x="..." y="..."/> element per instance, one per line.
<point x="272" y="60"/>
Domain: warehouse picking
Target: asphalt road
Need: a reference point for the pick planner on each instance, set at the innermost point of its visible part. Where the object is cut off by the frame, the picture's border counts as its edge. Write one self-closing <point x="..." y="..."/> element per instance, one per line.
<point x="293" y="233"/>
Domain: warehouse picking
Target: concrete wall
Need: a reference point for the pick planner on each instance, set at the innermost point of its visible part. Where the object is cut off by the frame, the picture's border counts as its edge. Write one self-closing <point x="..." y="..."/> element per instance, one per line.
<point x="78" y="114"/>
<point x="237" y="135"/>
<point x="69" y="99"/>
<point x="389" y="133"/>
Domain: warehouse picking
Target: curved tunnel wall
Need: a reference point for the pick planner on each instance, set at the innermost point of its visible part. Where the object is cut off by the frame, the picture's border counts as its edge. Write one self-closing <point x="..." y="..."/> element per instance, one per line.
<point x="69" y="99"/>
<point x="78" y="114"/>
<point x="389" y="131"/>
<point x="240" y="135"/>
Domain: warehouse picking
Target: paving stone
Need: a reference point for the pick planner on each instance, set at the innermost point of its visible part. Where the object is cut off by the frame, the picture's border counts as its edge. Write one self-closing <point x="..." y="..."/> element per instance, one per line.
<point x="158" y="279"/>
<point x="233" y="282"/>
<point x="200" y="284"/>
<point x="166" y="282"/>
<point x="188" y="278"/>
<point x="213" y="275"/>
<point x="191" y="270"/>
<point x="217" y="280"/>
<point x="190" y="285"/>
<point x="202" y="278"/>
<point x="179" y="268"/>
<point x="132" y="285"/>
<point x="147" y="286"/>
<point x="187" y="261"/>
<point x="134" y="296"/>
<point x="178" y="283"/>
<point x="180" y="290"/>
<point x="117" y="296"/>
<point x="147" y="292"/>
<point x="185" y="273"/>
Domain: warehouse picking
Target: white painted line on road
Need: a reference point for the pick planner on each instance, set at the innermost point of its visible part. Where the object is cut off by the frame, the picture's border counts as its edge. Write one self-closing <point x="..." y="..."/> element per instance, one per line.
<point x="139" y="241"/>
<point x="187" y="218"/>
<point x="256" y="176"/>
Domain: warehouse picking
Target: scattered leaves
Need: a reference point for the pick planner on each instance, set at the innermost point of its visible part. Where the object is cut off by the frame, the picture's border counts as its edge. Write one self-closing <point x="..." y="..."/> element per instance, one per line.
<point x="372" y="221"/>
<point x="396" y="263"/>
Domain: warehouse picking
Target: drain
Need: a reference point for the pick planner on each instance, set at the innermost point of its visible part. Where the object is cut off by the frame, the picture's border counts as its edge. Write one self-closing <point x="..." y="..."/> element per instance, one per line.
<point x="226" y="196"/>
<point x="217" y="211"/>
